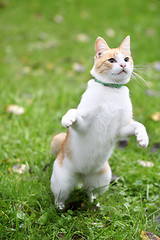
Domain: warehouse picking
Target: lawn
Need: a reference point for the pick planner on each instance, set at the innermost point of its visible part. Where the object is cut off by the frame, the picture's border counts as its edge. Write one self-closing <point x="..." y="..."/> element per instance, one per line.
<point x="47" y="52"/>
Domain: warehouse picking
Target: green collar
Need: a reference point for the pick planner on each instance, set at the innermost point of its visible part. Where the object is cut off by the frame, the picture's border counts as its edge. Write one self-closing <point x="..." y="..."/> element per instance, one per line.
<point x="109" y="84"/>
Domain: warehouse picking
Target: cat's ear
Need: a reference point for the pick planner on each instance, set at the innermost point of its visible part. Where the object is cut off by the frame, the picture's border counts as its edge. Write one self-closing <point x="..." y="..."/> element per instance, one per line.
<point x="125" y="45"/>
<point x="100" y="46"/>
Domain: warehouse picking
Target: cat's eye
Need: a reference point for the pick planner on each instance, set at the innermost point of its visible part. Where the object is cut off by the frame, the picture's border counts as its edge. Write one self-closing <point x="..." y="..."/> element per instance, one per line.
<point x="126" y="59"/>
<point x="111" y="60"/>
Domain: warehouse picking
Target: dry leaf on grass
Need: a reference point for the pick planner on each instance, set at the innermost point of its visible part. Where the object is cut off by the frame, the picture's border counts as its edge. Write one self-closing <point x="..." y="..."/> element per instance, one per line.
<point x="110" y="32"/>
<point x="145" y="163"/>
<point x="50" y="44"/>
<point x="58" y="18"/>
<point x="49" y="66"/>
<point x="150" y="31"/>
<point x="42" y="36"/>
<point x="148" y="236"/>
<point x="77" y="67"/>
<point x="82" y="37"/>
<point x="153" y="93"/>
<point x="15" y="109"/>
<point x="26" y="70"/>
<point x="84" y="14"/>
<point x="20" y="168"/>
<point x="156" y="116"/>
<point x="157" y="66"/>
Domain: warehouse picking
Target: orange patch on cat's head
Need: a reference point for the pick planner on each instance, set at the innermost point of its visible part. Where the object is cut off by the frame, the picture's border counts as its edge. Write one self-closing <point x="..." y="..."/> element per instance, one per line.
<point x="102" y="61"/>
<point x="103" y="53"/>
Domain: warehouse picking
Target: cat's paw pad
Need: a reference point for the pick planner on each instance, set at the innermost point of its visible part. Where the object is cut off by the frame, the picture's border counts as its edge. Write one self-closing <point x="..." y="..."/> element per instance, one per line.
<point x="142" y="138"/>
<point x="69" y="118"/>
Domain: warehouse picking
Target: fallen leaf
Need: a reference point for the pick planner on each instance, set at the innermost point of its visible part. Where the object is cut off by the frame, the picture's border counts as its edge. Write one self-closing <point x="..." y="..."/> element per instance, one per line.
<point x="157" y="66"/>
<point x="9" y="170"/>
<point x="24" y="60"/>
<point x="152" y="93"/>
<point x="38" y="72"/>
<point x="145" y="163"/>
<point x="156" y="116"/>
<point x="148" y="236"/>
<point x="50" y="44"/>
<point x="42" y="36"/>
<point x="49" y="66"/>
<point x="26" y="70"/>
<point x="82" y="37"/>
<point x="150" y="31"/>
<point x="15" y="109"/>
<point x="77" y="67"/>
<point x="20" y="168"/>
<point x="27" y="96"/>
<point x="110" y="32"/>
<point x="84" y="14"/>
<point x="58" y="18"/>
<point x="37" y="15"/>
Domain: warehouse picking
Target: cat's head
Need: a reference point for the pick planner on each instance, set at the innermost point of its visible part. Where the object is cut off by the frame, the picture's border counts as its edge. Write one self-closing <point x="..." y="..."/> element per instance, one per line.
<point x="112" y="65"/>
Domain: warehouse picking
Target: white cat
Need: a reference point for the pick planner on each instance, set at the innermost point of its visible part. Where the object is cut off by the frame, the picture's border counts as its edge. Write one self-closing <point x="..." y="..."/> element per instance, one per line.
<point x="103" y="117"/>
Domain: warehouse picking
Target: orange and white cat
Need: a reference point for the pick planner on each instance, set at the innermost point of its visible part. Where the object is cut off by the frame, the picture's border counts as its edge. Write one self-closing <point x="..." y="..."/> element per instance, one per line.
<point x="103" y="116"/>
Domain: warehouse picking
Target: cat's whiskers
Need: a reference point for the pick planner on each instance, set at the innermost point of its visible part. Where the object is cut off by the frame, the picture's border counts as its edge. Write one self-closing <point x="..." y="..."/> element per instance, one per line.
<point x="136" y="79"/>
<point x="134" y="74"/>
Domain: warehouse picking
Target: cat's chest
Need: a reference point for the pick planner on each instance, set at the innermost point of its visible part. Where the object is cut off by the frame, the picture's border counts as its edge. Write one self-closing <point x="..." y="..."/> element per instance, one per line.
<point x="104" y="107"/>
<point x="113" y="106"/>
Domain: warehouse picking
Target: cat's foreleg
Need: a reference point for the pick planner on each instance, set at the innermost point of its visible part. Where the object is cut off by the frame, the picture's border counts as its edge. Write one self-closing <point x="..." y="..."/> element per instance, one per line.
<point x="74" y="118"/>
<point x="137" y="129"/>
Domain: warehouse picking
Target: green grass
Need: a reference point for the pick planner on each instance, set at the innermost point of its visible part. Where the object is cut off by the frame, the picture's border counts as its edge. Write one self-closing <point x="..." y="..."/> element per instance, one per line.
<point x="36" y="72"/>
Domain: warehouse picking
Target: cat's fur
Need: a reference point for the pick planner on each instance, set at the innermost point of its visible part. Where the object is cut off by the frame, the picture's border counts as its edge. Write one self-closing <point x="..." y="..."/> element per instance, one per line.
<point x="103" y="116"/>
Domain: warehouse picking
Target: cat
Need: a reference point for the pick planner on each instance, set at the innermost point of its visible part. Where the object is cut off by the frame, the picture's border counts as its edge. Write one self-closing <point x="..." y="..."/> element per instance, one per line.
<point x="103" y="117"/>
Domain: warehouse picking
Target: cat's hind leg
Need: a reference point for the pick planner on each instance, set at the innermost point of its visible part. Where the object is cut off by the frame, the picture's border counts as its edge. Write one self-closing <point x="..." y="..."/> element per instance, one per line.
<point x="62" y="183"/>
<point x="98" y="182"/>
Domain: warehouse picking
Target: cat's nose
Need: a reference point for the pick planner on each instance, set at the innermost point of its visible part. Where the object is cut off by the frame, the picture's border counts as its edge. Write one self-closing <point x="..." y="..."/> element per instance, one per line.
<point x="123" y="65"/>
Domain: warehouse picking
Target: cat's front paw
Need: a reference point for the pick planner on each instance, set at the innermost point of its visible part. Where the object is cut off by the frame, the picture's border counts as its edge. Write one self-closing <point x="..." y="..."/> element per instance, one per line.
<point x="142" y="137"/>
<point x="69" y="118"/>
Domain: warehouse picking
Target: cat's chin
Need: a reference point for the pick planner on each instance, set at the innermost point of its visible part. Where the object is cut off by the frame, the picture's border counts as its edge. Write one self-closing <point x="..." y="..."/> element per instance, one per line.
<point x="122" y="78"/>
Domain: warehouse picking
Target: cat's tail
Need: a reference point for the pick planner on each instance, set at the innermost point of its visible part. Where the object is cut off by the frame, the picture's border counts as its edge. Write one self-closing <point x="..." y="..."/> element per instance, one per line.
<point x="57" y="142"/>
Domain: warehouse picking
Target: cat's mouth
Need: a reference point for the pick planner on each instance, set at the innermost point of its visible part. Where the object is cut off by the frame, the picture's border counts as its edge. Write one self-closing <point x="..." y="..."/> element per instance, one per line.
<point x="121" y="72"/>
